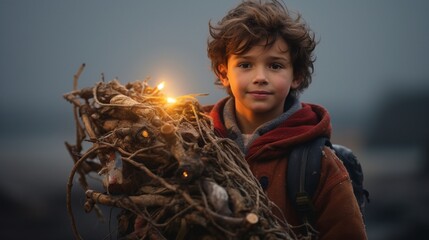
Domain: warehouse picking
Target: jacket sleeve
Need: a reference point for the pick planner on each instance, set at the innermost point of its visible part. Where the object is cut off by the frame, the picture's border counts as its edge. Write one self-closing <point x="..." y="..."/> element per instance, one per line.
<point x="338" y="212"/>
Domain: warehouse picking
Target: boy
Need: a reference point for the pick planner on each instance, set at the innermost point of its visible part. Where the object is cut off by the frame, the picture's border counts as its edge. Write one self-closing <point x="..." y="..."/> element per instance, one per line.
<point x="264" y="59"/>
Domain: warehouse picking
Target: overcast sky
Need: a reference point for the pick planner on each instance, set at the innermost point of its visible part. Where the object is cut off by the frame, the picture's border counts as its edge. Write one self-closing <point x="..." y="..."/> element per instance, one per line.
<point x="365" y="47"/>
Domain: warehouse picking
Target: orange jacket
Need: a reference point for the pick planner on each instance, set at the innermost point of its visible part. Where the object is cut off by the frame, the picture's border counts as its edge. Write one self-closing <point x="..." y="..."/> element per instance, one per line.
<point x="338" y="214"/>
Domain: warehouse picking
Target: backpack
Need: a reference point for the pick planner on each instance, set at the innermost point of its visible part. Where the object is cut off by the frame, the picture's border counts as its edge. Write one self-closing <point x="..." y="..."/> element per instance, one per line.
<point x="303" y="175"/>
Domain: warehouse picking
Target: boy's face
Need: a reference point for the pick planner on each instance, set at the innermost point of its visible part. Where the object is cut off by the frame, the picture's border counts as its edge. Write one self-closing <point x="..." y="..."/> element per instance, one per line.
<point x="260" y="79"/>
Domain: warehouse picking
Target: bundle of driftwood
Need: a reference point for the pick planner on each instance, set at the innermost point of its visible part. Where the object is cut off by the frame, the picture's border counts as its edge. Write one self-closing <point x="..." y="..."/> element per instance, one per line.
<point x="161" y="163"/>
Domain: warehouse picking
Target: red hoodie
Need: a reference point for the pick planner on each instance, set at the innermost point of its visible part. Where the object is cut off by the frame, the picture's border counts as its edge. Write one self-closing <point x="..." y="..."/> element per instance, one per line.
<point x="338" y="213"/>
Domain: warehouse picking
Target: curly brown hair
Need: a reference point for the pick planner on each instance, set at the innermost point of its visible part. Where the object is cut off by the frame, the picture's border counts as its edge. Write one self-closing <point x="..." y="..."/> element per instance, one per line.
<point x="254" y="21"/>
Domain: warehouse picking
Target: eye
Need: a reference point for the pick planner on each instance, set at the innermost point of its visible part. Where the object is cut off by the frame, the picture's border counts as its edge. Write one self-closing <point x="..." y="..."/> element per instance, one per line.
<point x="276" y="66"/>
<point x="244" y="65"/>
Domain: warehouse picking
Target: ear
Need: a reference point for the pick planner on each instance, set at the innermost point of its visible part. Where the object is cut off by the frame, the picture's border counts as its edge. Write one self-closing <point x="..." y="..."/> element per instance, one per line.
<point x="296" y="83"/>
<point x="222" y="75"/>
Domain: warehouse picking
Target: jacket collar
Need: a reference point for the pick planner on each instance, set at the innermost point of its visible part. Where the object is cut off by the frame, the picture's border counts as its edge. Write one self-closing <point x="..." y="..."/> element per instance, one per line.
<point x="292" y="105"/>
<point x="308" y="122"/>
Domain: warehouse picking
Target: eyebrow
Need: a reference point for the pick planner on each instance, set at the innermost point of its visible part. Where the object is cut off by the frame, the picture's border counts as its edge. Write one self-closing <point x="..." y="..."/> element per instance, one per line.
<point x="271" y="58"/>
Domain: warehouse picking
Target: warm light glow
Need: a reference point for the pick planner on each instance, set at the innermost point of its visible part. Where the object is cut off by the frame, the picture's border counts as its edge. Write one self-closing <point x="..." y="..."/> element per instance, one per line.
<point x="171" y="100"/>
<point x="161" y="86"/>
<point x="185" y="174"/>
<point x="145" y="133"/>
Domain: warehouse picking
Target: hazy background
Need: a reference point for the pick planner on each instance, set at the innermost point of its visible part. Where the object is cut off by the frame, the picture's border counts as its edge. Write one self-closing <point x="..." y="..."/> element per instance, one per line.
<point x="371" y="73"/>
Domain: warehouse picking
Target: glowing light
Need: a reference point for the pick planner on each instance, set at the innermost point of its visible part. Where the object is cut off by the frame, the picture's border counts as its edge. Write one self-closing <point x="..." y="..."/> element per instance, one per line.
<point x="145" y="133"/>
<point x="171" y="100"/>
<point x="160" y="86"/>
<point x="185" y="174"/>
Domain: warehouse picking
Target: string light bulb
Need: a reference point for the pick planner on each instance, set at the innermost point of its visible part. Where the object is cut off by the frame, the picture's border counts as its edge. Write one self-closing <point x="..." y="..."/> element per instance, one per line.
<point x="160" y="86"/>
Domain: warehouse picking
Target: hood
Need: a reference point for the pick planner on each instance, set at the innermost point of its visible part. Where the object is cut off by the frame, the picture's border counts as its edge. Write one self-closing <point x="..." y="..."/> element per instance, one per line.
<point x="307" y="123"/>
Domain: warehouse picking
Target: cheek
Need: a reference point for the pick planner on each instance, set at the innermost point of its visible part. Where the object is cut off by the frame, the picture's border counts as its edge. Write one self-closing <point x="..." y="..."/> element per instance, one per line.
<point x="284" y="92"/>
<point x="238" y="83"/>
<point x="283" y="87"/>
<point x="235" y="88"/>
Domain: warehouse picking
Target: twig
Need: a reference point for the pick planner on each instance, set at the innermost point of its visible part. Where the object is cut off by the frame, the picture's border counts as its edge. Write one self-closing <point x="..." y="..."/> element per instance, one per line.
<point x="70" y="185"/>
<point x="77" y="75"/>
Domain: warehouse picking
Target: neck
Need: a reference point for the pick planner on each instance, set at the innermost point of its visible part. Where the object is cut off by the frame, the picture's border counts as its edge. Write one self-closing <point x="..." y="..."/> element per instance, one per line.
<point x="248" y="123"/>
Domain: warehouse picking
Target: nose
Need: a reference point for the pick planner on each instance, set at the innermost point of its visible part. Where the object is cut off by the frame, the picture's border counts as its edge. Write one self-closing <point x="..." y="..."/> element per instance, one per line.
<point x="260" y="77"/>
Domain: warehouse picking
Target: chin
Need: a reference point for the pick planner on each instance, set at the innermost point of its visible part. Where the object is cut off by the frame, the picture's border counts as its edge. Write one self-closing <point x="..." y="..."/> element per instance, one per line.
<point x="261" y="110"/>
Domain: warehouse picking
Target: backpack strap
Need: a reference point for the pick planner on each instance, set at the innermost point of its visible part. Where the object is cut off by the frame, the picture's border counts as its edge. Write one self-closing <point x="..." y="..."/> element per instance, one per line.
<point x="303" y="175"/>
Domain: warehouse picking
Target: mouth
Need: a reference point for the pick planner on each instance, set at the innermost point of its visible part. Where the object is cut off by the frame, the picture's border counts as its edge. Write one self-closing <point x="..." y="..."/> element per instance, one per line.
<point x="260" y="94"/>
